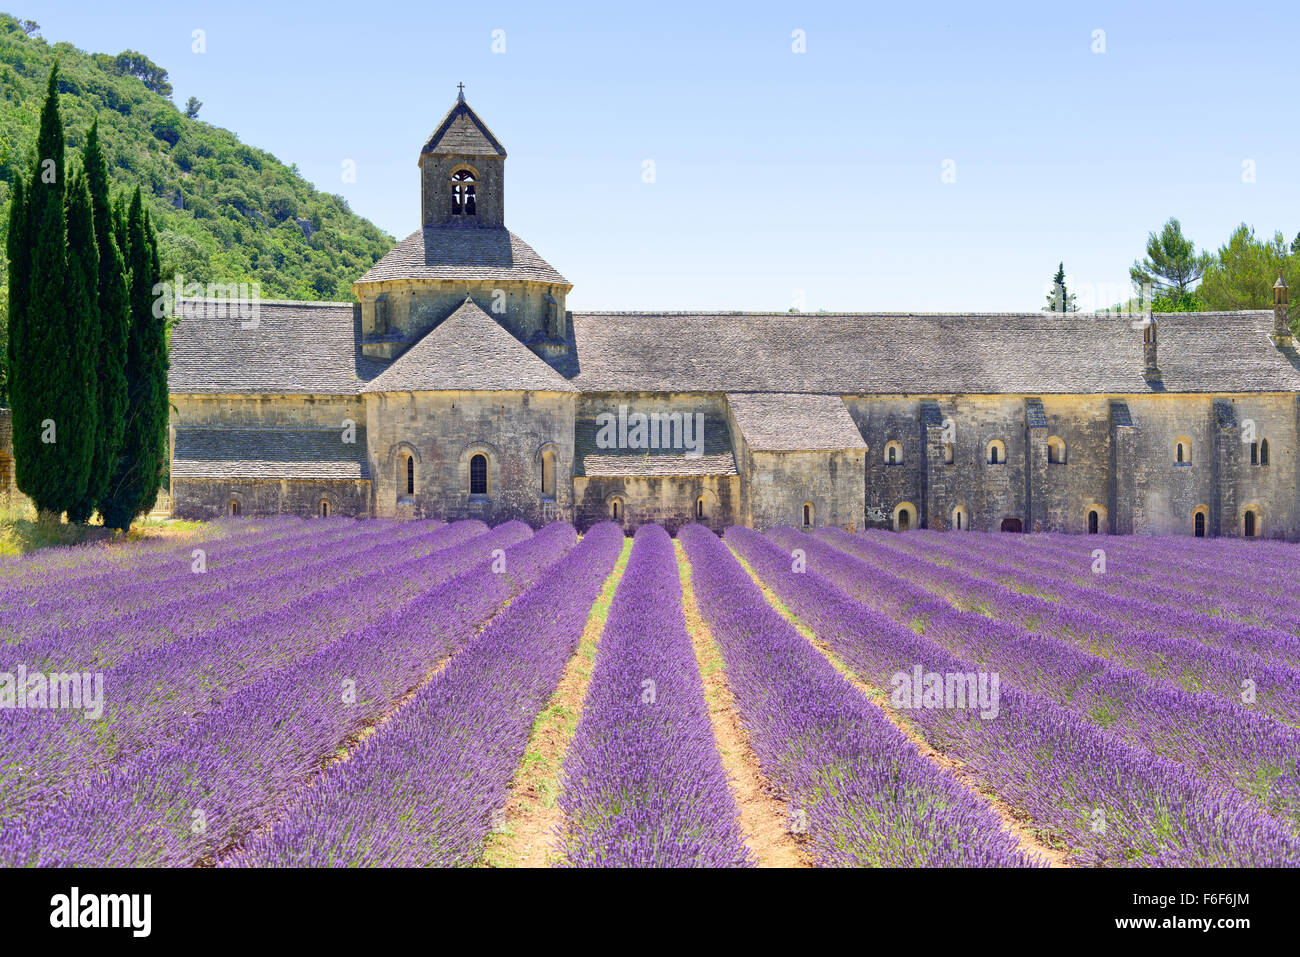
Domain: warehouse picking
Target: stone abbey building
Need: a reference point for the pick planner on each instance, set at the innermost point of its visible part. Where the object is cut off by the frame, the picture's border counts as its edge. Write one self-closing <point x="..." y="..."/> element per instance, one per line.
<point x="459" y="385"/>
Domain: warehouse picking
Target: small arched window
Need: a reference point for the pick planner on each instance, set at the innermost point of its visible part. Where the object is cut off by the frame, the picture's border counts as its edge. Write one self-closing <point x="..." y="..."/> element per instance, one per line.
<point x="894" y="453"/>
<point x="462" y="193"/>
<point x="1183" y="451"/>
<point x="1263" y="452"/>
<point x="997" y="452"/>
<point x="699" y="509"/>
<point x="807" y="513"/>
<point x="616" y="509"/>
<point x="1056" y="450"/>
<point x="234" y="508"/>
<point x="1198" y="527"/>
<point x="410" y="475"/>
<point x="548" y="474"/>
<point x="1248" y="523"/>
<point x="1094" y="521"/>
<point x="478" y="483"/>
<point x="324" y="508"/>
<point x="960" y="519"/>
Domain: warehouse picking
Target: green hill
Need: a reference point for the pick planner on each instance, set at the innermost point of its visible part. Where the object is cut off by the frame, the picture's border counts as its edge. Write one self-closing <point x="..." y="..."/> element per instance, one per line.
<point x="224" y="211"/>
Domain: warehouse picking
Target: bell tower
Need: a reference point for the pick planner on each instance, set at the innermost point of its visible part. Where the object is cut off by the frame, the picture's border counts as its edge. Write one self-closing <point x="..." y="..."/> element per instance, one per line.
<point x="462" y="172"/>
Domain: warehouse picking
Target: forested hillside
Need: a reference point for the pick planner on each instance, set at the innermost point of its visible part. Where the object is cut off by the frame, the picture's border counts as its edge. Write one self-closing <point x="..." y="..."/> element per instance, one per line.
<point x="225" y="211"/>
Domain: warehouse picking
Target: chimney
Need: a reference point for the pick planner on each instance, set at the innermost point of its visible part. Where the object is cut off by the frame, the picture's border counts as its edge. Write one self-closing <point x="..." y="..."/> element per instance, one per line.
<point x="1149" y="368"/>
<point x="1281" y="314"/>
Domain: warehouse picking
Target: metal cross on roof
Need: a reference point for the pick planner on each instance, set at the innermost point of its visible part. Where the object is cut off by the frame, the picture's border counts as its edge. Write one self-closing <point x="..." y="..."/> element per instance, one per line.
<point x="461" y="88"/>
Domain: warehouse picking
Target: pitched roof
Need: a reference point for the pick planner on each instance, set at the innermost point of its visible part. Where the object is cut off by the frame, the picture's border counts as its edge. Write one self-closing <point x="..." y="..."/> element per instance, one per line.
<point x="469" y="350"/>
<point x="789" y="422"/>
<point x="462" y="133"/>
<point x="711" y="456"/>
<point x="463" y="252"/>
<point x="269" y="454"/>
<point x="267" y="347"/>
<point x="892" y="354"/>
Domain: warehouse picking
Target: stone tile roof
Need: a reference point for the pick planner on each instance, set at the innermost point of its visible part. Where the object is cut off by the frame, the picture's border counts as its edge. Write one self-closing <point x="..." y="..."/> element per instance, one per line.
<point x="789" y="422"/>
<point x="290" y="348"/>
<point x="269" y="454"/>
<point x="463" y="252"/>
<point x="591" y="459"/>
<point x="463" y="133"/>
<point x="469" y="350"/>
<point x="891" y="354"/>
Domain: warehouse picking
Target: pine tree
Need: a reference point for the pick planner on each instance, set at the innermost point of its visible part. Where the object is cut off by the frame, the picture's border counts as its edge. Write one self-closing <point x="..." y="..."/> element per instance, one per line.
<point x="53" y="418"/>
<point x="134" y="486"/>
<point x="1060" y="299"/>
<point x="114" y="316"/>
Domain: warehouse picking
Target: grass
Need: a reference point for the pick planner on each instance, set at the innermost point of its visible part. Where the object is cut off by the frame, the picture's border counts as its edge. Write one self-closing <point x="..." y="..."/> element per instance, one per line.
<point x="23" y="531"/>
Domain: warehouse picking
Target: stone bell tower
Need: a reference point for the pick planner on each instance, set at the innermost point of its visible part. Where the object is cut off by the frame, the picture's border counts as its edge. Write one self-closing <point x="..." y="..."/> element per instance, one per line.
<point x="462" y="172"/>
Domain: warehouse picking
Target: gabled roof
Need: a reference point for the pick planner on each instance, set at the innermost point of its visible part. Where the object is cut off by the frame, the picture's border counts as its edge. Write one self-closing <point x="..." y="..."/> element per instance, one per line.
<point x="463" y="252"/>
<point x="267" y="347"/>
<point x="269" y="454"/>
<point x="908" y="354"/>
<point x="714" y="455"/>
<point x="462" y="133"/>
<point x="794" y="422"/>
<point x="470" y="351"/>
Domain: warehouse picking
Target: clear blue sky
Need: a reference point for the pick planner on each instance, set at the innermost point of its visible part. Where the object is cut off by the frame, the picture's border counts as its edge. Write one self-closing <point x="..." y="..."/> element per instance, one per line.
<point x="776" y="172"/>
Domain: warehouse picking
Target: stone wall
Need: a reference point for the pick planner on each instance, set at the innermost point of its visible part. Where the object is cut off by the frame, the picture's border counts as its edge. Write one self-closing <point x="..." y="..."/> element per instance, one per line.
<point x="489" y="189"/>
<point x="211" y="498"/>
<point x="664" y="500"/>
<point x="443" y="430"/>
<point x="416" y="306"/>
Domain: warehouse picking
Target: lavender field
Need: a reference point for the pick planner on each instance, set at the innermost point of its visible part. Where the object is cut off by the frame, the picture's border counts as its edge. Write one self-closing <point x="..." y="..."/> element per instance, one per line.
<point x="289" y="693"/>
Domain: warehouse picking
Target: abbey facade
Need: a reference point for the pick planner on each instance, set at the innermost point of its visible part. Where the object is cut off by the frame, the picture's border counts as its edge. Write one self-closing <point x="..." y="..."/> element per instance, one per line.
<point x="458" y="384"/>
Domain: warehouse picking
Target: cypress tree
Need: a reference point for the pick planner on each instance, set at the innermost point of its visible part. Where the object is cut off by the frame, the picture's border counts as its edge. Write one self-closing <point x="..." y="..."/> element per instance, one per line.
<point x="114" y="319"/>
<point x="20" y="263"/>
<point x="134" y="486"/>
<point x="81" y="340"/>
<point x="52" y="413"/>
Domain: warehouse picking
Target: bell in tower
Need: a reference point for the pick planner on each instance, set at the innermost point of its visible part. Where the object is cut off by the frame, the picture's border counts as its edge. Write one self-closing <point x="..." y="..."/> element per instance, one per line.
<point x="462" y="172"/>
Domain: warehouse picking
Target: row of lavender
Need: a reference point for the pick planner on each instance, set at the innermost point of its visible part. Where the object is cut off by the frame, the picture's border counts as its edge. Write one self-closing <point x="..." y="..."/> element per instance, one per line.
<point x="859" y="790"/>
<point x="1127" y="570"/>
<point x="233" y="768"/>
<point x="156" y="690"/>
<point x="643" y="784"/>
<point x="1223" y="744"/>
<point x="1111" y="802"/>
<point x="1192" y="651"/>
<point x="426" y="789"/>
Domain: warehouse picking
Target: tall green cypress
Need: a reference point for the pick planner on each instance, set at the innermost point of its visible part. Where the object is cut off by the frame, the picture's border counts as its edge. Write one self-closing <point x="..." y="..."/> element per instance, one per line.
<point x="53" y="418"/>
<point x="114" y="320"/>
<point x="19" y="249"/>
<point x="134" y="486"/>
<point x="81" y="339"/>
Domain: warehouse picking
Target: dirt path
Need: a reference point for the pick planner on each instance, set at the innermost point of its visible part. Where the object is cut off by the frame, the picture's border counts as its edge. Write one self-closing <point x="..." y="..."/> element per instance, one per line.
<point x="526" y="836"/>
<point x="764" y="818"/>
<point x="1012" y="821"/>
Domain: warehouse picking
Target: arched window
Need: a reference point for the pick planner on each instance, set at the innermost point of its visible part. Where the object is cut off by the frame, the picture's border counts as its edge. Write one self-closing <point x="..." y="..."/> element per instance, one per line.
<point x="807" y="513"/>
<point x="948" y="453"/>
<point x="1263" y="452"/>
<point x="1183" y="451"/>
<point x="1199" y="526"/>
<point x="894" y="453"/>
<point x="960" y="519"/>
<point x="616" y="509"/>
<point x="997" y="452"/>
<point x="1094" y="521"/>
<point x="462" y="193"/>
<point x="478" y="483"/>
<point x="1250" y="523"/>
<point x="548" y="474"/>
<point x="904" y="517"/>
<point x="699" y="509"/>
<point x="324" y="508"/>
<point x="410" y="475"/>
<point x="234" y="508"/>
<point x="1056" y="450"/>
